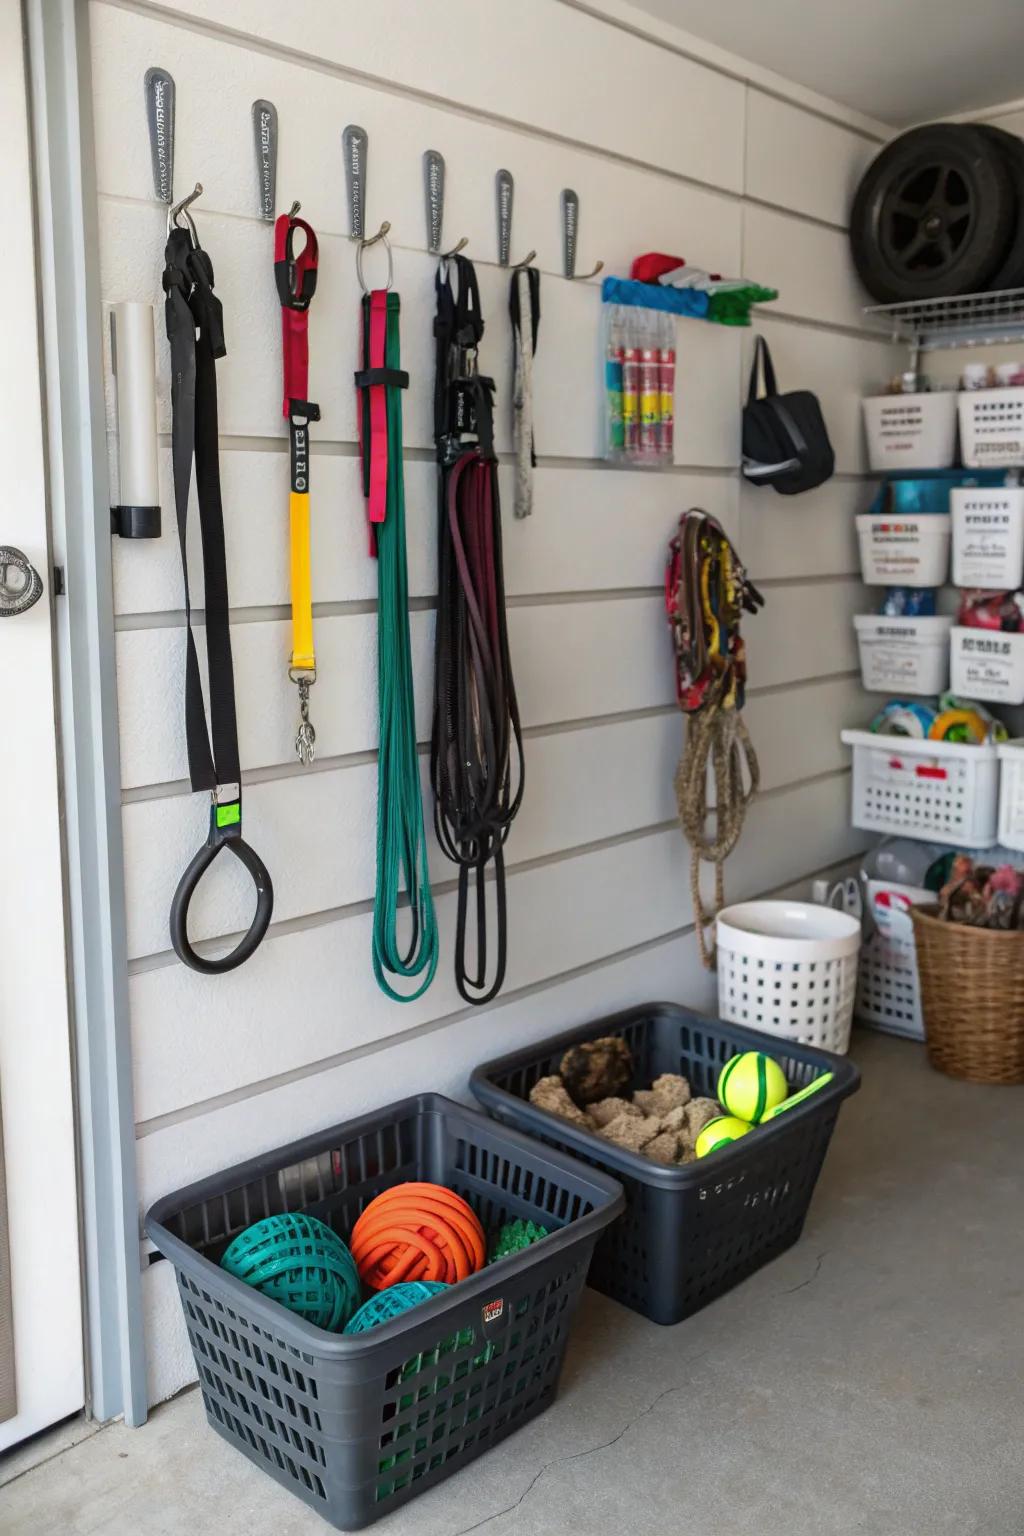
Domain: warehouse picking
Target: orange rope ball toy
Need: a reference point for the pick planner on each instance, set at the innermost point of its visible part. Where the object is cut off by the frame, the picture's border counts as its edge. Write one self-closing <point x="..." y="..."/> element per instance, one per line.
<point x="417" y="1232"/>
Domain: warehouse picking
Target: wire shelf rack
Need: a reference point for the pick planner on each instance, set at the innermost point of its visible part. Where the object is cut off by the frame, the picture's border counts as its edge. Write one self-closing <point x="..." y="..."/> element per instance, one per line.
<point x="968" y="320"/>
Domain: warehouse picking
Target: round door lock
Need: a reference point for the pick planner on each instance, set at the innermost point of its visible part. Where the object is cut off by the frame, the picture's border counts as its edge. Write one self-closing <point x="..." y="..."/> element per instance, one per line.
<point x="20" y="583"/>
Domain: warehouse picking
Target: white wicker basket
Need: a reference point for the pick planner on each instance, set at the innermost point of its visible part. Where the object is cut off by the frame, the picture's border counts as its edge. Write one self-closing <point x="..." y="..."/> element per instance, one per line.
<point x="986" y="664"/>
<point x="911" y="431"/>
<point x="904" y="551"/>
<point x="789" y="968"/>
<point x="991" y="427"/>
<point x="903" y="655"/>
<point x="942" y="791"/>
<point x="988" y="536"/>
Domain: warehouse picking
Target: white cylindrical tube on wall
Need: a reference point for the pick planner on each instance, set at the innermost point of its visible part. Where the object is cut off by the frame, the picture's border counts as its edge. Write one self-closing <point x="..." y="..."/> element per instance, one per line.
<point x="134" y="360"/>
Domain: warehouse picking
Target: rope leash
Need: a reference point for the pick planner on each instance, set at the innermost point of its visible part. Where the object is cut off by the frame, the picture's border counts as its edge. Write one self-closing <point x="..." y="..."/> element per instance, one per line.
<point x="401" y="837"/>
<point x="296" y="284"/>
<point x="476" y="731"/>
<point x="195" y="330"/>
<point x="706" y="590"/>
<point x="524" y="298"/>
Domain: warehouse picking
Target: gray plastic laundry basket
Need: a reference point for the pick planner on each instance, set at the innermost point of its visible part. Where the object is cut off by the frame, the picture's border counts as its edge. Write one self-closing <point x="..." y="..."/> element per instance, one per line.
<point x="357" y="1425"/>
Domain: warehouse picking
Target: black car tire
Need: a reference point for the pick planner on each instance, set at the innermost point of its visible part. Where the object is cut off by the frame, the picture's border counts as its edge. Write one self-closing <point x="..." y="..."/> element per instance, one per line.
<point x="1011" y="273"/>
<point x="934" y="215"/>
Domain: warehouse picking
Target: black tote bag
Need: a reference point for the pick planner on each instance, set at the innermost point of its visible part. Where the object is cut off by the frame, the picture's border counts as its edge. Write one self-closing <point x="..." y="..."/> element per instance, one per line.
<point x="785" y="440"/>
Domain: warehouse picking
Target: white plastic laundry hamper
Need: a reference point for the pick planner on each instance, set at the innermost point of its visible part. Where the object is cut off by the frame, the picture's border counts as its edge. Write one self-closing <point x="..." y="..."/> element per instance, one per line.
<point x="911" y="431"/>
<point x="992" y="427"/>
<point x="903" y="655"/>
<point x="898" y="551"/>
<point x="789" y="968"/>
<point x="988" y="536"/>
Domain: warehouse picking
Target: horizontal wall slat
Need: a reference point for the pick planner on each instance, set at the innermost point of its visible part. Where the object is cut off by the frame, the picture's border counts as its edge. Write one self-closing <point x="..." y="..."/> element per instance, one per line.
<point x="810" y="266"/>
<point x="796" y="162"/>
<point x="308" y="994"/>
<point x="314" y="831"/>
<point x="804" y="630"/>
<point x="668" y="111"/>
<point x="616" y="200"/>
<point x="813" y="534"/>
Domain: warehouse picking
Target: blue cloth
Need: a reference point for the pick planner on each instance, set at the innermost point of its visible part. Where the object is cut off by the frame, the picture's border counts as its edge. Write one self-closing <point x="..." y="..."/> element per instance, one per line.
<point x="677" y="301"/>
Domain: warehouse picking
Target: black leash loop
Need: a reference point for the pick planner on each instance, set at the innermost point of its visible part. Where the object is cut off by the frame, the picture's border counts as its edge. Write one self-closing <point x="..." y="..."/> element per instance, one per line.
<point x="195" y="331"/>
<point x="476" y="746"/>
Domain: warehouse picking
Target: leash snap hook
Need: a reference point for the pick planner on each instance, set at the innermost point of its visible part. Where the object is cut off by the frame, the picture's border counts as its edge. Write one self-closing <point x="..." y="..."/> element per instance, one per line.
<point x="182" y="207"/>
<point x="382" y="236"/>
<point x="305" y="737"/>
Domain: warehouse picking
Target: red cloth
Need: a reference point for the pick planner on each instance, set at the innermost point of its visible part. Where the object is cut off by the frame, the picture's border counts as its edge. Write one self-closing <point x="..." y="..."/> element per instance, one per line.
<point x="649" y="267"/>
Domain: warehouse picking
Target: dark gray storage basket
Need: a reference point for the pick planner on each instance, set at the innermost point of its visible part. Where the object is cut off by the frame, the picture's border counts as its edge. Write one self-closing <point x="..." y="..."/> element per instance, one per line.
<point x="688" y="1233"/>
<point x="357" y="1425"/>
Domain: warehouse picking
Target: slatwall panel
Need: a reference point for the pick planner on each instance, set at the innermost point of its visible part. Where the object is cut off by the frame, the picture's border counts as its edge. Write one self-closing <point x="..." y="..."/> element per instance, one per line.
<point x="598" y="887"/>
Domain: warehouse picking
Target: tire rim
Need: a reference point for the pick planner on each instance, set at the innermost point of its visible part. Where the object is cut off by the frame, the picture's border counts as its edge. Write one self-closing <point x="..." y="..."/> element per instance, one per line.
<point x="926" y="220"/>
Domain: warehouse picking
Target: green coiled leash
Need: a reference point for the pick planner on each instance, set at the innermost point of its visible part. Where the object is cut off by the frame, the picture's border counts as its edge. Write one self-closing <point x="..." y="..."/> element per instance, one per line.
<point x="401" y="836"/>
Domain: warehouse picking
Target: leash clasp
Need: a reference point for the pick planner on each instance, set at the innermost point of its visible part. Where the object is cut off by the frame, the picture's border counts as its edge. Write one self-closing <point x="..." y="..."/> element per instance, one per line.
<point x="305" y="736"/>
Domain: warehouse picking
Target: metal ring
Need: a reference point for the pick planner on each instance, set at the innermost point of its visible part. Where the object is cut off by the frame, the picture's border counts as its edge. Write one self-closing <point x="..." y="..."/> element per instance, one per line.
<point x="382" y="236"/>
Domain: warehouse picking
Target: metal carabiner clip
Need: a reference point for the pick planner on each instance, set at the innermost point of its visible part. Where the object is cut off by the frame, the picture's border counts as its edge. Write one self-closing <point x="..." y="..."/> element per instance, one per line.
<point x="182" y="207"/>
<point x="382" y="235"/>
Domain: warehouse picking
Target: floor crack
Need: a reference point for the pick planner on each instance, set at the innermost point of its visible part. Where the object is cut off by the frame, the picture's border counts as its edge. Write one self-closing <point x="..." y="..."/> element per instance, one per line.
<point x="579" y="1455"/>
<point x="814" y="1276"/>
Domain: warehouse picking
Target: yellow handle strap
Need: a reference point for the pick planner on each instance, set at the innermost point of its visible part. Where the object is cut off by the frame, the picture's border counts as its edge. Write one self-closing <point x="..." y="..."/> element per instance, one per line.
<point x="303" y="655"/>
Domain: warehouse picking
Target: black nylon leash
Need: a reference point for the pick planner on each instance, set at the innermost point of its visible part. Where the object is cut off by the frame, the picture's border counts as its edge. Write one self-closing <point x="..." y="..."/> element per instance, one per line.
<point x="195" y="331"/>
<point x="476" y="750"/>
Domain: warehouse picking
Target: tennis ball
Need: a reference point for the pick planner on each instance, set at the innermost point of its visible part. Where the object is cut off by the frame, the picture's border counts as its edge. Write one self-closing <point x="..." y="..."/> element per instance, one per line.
<point x="798" y="1098"/>
<point x="750" y="1084"/>
<point x="719" y="1133"/>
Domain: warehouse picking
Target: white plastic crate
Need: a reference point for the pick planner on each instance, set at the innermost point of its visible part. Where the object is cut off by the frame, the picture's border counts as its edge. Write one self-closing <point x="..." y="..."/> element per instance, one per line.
<point x="991" y="427"/>
<point x="986" y="664"/>
<point x="1011" y="794"/>
<point x="888" y="995"/>
<point x="911" y="431"/>
<point x="942" y="791"/>
<point x="789" y="968"/>
<point x="903" y="655"/>
<point x="988" y="536"/>
<point x="904" y="551"/>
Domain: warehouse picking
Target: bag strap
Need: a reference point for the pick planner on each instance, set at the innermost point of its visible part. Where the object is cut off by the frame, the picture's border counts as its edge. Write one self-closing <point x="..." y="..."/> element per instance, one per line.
<point x="761" y="353"/>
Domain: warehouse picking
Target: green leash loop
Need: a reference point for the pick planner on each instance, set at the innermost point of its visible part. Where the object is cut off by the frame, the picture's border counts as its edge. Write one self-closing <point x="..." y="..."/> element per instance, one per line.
<point x="401" y="837"/>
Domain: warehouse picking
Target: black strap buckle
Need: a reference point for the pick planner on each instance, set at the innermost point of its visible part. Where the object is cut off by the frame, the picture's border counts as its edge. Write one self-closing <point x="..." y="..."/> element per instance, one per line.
<point x="225" y="832"/>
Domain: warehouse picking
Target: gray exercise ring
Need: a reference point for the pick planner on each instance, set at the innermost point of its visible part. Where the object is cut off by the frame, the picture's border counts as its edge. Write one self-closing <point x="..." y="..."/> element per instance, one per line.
<point x="20" y="583"/>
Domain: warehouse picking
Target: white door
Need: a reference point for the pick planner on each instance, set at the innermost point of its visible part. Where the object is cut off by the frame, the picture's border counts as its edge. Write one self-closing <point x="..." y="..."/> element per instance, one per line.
<point x="40" y="1259"/>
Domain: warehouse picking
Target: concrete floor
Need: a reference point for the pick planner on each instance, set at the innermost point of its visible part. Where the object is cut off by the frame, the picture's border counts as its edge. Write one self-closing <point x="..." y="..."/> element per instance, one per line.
<point x="871" y="1380"/>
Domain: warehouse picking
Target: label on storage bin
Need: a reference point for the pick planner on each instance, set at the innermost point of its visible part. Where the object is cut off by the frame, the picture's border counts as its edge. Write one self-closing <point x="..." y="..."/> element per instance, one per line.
<point x="491" y="1313"/>
<point x="988" y="665"/>
<point x="903" y="657"/>
<point x="988" y="541"/>
<point x="896" y="548"/>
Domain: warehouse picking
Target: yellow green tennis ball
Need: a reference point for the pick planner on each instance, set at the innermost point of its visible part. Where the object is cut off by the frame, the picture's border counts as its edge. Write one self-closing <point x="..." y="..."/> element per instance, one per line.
<point x="719" y="1133"/>
<point x="798" y="1098"/>
<point x="751" y="1084"/>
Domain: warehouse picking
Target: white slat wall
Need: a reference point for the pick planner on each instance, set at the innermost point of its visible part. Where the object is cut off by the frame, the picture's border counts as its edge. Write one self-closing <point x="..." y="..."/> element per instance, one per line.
<point x="666" y="153"/>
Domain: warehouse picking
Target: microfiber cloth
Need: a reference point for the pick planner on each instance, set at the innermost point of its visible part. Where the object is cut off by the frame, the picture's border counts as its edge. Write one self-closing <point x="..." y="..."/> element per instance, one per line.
<point x="677" y="301"/>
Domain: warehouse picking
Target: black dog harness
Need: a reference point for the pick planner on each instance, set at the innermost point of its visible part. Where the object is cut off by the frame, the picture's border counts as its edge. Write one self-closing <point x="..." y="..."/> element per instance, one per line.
<point x="196" y="333"/>
<point x="477" y="789"/>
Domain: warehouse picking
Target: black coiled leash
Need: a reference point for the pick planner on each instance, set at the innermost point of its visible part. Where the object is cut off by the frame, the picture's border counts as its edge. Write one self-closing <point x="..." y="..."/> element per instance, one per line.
<point x="196" y="333"/>
<point x="476" y="749"/>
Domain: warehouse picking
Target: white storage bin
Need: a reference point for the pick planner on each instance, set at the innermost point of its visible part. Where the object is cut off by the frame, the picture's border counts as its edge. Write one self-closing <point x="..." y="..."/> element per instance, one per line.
<point x="988" y="536"/>
<point x="942" y="791"/>
<point x="888" y="994"/>
<point x="991" y="427"/>
<point x="986" y="664"/>
<point x="789" y="968"/>
<point x="903" y="655"/>
<point x="904" y="551"/>
<point x="1011" y="794"/>
<point x="911" y="431"/>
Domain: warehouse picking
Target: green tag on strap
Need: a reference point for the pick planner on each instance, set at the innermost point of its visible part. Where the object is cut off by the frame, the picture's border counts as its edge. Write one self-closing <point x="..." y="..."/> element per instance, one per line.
<point x="229" y="815"/>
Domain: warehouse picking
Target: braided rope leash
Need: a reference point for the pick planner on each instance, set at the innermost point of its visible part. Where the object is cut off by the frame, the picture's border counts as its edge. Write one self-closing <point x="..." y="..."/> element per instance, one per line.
<point x="706" y="589"/>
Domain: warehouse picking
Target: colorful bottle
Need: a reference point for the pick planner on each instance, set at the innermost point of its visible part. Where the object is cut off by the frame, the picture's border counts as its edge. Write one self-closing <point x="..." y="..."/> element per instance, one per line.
<point x="613" y="391"/>
<point x="630" y="399"/>
<point x="649" y="402"/>
<point x="667" y="395"/>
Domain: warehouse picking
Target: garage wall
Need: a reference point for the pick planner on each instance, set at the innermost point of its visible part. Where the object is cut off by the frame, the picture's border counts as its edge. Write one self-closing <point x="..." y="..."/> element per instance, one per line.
<point x="666" y="153"/>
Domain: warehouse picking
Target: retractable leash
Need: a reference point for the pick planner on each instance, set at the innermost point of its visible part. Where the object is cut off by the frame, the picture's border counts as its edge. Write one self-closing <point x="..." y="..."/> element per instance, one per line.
<point x="706" y="590"/>
<point x="476" y="732"/>
<point x="401" y="836"/>
<point x="196" y="335"/>
<point x="296" y="284"/>
<point x="524" y="297"/>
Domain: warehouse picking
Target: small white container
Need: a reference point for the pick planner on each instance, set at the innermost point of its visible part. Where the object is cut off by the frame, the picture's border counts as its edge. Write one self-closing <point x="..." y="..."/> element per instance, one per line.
<point x="991" y="427"/>
<point x="988" y="536"/>
<point x="789" y="968"/>
<point x="1011" y="794"/>
<point x="903" y="655"/>
<point x="986" y="664"/>
<point x="941" y="791"/>
<point x="900" y="551"/>
<point x="911" y="431"/>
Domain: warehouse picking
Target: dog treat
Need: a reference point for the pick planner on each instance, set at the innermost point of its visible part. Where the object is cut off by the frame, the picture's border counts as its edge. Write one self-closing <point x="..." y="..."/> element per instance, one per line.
<point x="550" y="1093"/>
<point x="596" y="1070"/>
<point x="670" y="1092"/>
<point x="631" y="1131"/>
<point x="664" y="1148"/>
<point x="606" y="1110"/>
<point x="698" y="1112"/>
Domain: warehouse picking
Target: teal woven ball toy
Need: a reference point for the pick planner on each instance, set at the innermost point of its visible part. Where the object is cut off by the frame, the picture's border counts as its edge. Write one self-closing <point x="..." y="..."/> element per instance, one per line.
<point x="297" y="1260"/>
<point x="392" y="1303"/>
